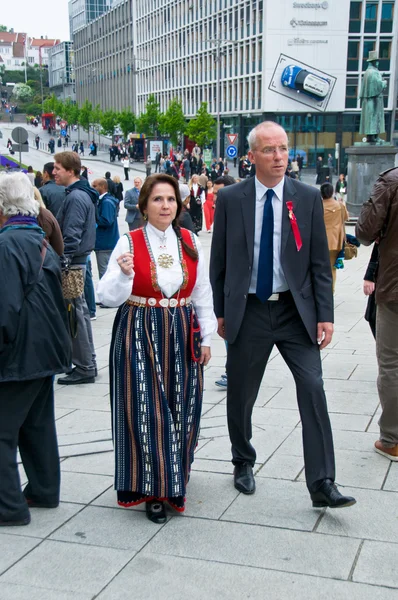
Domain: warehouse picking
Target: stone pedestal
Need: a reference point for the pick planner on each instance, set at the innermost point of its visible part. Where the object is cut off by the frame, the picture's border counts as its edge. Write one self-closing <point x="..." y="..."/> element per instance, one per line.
<point x="365" y="163"/>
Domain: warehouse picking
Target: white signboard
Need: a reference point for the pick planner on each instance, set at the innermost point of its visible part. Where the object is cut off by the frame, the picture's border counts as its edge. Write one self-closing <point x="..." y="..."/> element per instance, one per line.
<point x="154" y="148"/>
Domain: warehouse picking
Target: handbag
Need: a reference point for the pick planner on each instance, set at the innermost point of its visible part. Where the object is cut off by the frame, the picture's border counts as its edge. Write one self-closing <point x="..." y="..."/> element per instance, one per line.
<point x="196" y="340"/>
<point x="350" y="251"/>
<point x="72" y="282"/>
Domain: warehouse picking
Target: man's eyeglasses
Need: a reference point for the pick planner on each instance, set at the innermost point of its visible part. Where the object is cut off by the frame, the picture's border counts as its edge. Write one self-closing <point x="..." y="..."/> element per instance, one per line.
<point x="268" y="150"/>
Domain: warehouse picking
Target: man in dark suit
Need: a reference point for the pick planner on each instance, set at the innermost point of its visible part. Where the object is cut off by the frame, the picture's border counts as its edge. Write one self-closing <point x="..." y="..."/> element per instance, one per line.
<point x="272" y="285"/>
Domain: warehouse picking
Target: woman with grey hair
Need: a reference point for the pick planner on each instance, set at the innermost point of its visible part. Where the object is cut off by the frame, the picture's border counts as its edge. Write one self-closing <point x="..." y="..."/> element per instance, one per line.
<point x="34" y="346"/>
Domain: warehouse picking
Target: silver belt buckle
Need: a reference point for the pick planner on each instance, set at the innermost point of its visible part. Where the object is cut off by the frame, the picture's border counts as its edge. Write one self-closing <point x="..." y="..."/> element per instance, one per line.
<point x="273" y="298"/>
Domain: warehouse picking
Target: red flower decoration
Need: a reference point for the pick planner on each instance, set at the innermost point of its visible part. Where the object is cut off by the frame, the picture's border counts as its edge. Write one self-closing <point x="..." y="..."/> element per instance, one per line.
<point x="294" y="224"/>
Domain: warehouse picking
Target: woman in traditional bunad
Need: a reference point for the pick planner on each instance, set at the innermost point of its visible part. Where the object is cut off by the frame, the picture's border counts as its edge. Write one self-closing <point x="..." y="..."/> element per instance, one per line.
<point x="160" y="344"/>
<point x="196" y="201"/>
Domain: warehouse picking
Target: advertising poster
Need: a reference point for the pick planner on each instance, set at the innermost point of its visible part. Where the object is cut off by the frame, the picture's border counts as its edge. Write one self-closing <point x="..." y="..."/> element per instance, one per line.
<point x="154" y="148"/>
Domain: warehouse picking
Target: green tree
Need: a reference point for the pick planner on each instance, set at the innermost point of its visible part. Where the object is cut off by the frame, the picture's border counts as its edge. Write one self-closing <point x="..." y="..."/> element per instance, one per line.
<point x="68" y="110"/>
<point x="3" y="28"/>
<point x="126" y="121"/>
<point x="173" y="121"/>
<point x="86" y="115"/>
<point x="22" y="92"/>
<point x="109" y="120"/>
<point x="51" y="104"/>
<point x="148" y="121"/>
<point x="202" y="129"/>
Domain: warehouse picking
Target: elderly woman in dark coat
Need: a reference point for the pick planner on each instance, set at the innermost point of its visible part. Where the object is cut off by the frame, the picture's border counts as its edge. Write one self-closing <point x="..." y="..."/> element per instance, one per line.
<point x="34" y="346"/>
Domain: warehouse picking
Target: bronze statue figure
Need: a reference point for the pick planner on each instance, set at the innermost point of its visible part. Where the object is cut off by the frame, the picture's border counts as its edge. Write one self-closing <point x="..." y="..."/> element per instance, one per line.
<point x="372" y="107"/>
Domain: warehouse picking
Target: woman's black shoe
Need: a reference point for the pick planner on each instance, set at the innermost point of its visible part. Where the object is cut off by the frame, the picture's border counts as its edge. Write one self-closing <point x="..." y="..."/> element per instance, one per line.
<point x="155" y="511"/>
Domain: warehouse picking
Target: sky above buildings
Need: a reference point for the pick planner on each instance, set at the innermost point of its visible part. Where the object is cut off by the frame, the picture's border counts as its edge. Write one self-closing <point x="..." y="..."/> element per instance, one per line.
<point x="37" y="17"/>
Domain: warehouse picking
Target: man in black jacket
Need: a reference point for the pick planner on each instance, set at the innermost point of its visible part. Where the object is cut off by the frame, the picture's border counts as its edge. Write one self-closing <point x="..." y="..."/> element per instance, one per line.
<point x="34" y="346"/>
<point x="272" y="285"/>
<point x="112" y="188"/>
<point x="53" y="195"/>
<point x="77" y="222"/>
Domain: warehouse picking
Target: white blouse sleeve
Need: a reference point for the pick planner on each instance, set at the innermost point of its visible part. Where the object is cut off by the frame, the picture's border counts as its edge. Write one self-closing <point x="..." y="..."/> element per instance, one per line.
<point x="202" y="298"/>
<point x="203" y="197"/>
<point x="115" y="287"/>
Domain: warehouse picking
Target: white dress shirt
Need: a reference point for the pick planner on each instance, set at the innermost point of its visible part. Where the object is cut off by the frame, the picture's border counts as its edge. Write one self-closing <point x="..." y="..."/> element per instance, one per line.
<point x="279" y="281"/>
<point x="115" y="287"/>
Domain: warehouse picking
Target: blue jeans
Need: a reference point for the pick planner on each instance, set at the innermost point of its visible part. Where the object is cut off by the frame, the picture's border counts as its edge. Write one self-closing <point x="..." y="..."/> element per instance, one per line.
<point x="89" y="289"/>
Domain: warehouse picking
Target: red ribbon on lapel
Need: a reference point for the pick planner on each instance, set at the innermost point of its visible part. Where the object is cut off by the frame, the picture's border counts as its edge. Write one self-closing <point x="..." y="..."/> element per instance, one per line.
<point x="294" y="224"/>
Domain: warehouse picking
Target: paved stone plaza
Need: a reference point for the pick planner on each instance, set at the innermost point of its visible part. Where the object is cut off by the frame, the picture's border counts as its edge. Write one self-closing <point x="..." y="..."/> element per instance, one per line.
<point x="270" y="545"/>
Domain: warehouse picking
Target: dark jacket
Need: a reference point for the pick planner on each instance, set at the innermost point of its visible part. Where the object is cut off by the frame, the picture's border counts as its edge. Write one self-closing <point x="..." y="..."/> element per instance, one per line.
<point x="131" y="205"/>
<point x="185" y="220"/>
<point x="379" y="219"/>
<point x="34" y="337"/>
<point x="77" y="221"/>
<point x="107" y="227"/>
<point x="307" y="271"/>
<point x="49" y="225"/>
<point x="111" y="187"/>
<point x="53" y="196"/>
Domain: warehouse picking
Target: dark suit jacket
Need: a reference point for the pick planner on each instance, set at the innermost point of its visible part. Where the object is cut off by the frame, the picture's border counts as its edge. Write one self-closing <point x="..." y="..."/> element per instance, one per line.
<point x="307" y="272"/>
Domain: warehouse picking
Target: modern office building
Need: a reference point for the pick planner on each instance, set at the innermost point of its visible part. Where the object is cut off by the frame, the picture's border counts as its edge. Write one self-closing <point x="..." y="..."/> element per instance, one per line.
<point x="104" y="59"/>
<point x="297" y="62"/>
<point x="82" y="12"/>
<point x="61" y="76"/>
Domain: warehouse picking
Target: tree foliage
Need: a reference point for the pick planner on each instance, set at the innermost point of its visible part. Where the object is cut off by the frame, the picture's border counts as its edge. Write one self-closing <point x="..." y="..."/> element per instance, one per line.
<point x="202" y="129"/>
<point x="173" y="121"/>
<point x="108" y="121"/>
<point x="126" y="121"/>
<point x="86" y="115"/>
<point x="22" y="91"/>
<point x="148" y="121"/>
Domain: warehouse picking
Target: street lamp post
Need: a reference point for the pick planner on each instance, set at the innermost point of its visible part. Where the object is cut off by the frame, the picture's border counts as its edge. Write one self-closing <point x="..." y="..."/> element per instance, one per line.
<point x="218" y="53"/>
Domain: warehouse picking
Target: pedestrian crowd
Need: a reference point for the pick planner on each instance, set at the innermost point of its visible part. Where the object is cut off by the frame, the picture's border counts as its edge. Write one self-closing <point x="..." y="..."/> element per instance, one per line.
<point x="276" y="245"/>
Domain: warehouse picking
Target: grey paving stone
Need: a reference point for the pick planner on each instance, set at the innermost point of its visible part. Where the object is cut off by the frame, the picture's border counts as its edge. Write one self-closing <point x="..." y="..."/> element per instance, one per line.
<point x="282" y="466"/>
<point x="68" y="567"/>
<point x="14" y="547"/>
<point x="163" y="578"/>
<point x="85" y="437"/>
<point x="265" y="442"/>
<point x="62" y="412"/>
<point x="252" y="545"/>
<point x="14" y="591"/>
<point x="360" y="404"/>
<point x="211" y="411"/>
<point x="97" y="464"/>
<point x="374" y="517"/>
<point x="365" y="373"/>
<point x="209" y="495"/>
<point x="45" y="521"/>
<point x="83" y="488"/>
<point x="83" y="421"/>
<point x="210" y="433"/>
<point x="99" y="526"/>
<point x="79" y="401"/>
<point x="275" y="416"/>
<point x="350" y="386"/>
<point x="97" y="391"/>
<point x="83" y="449"/>
<point x="212" y="466"/>
<point x="349" y="422"/>
<point x="392" y="479"/>
<point x="275" y="503"/>
<point x="337" y="367"/>
<point x="377" y="564"/>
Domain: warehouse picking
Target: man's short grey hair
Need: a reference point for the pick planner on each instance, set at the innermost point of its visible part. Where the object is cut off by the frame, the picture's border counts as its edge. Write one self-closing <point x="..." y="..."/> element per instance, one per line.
<point x="17" y="196"/>
<point x="252" y="137"/>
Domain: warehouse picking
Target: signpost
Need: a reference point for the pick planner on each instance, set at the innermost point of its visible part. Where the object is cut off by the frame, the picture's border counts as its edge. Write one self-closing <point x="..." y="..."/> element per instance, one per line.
<point x="231" y="151"/>
<point x="63" y="132"/>
<point x="231" y="142"/>
<point x="207" y="156"/>
<point x="20" y="137"/>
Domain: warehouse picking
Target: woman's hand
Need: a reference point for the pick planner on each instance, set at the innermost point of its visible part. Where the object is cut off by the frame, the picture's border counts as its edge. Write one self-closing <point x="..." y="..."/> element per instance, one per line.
<point x="126" y="263"/>
<point x="368" y="287"/>
<point x="206" y="355"/>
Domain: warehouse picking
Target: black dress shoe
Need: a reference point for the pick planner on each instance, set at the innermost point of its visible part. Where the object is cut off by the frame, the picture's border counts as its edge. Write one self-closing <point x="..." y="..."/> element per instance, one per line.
<point x="156" y="512"/>
<point x="244" y="478"/>
<point x="15" y="522"/>
<point x="328" y="495"/>
<point x="70" y="371"/>
<point x="75" y="378"/>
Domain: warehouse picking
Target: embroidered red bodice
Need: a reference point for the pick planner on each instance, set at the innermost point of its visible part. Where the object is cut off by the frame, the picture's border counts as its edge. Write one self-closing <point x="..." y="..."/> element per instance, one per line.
<point x="145" y="278"/>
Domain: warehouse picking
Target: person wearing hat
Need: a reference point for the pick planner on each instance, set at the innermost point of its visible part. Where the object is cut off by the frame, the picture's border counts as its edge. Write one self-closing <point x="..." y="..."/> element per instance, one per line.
<point x="372" y="105"/>
<point x="185" y="219"/>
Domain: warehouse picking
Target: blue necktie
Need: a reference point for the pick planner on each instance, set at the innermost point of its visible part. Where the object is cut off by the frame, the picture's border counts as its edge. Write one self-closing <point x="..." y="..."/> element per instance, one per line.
<point x="266" y="256"/>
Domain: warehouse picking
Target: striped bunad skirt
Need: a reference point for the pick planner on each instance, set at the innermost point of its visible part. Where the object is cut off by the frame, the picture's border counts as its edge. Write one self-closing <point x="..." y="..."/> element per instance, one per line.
<point x="156" y="401"/>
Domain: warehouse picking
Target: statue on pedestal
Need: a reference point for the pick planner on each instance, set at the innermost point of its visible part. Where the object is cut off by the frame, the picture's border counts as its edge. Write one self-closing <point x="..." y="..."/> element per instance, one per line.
<point x="372" y="107"/>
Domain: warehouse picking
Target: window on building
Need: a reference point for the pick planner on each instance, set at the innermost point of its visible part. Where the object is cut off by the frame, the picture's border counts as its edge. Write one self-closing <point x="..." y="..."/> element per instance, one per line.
<point x="368" y="45"/>
<point x="387" y="16"/>
<point x="371" y="16"/>
<point x="353" y="55"/>
<point x="384" y="55"/>
<point x="355" y="16"/>
<point x="351" y="92"/>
